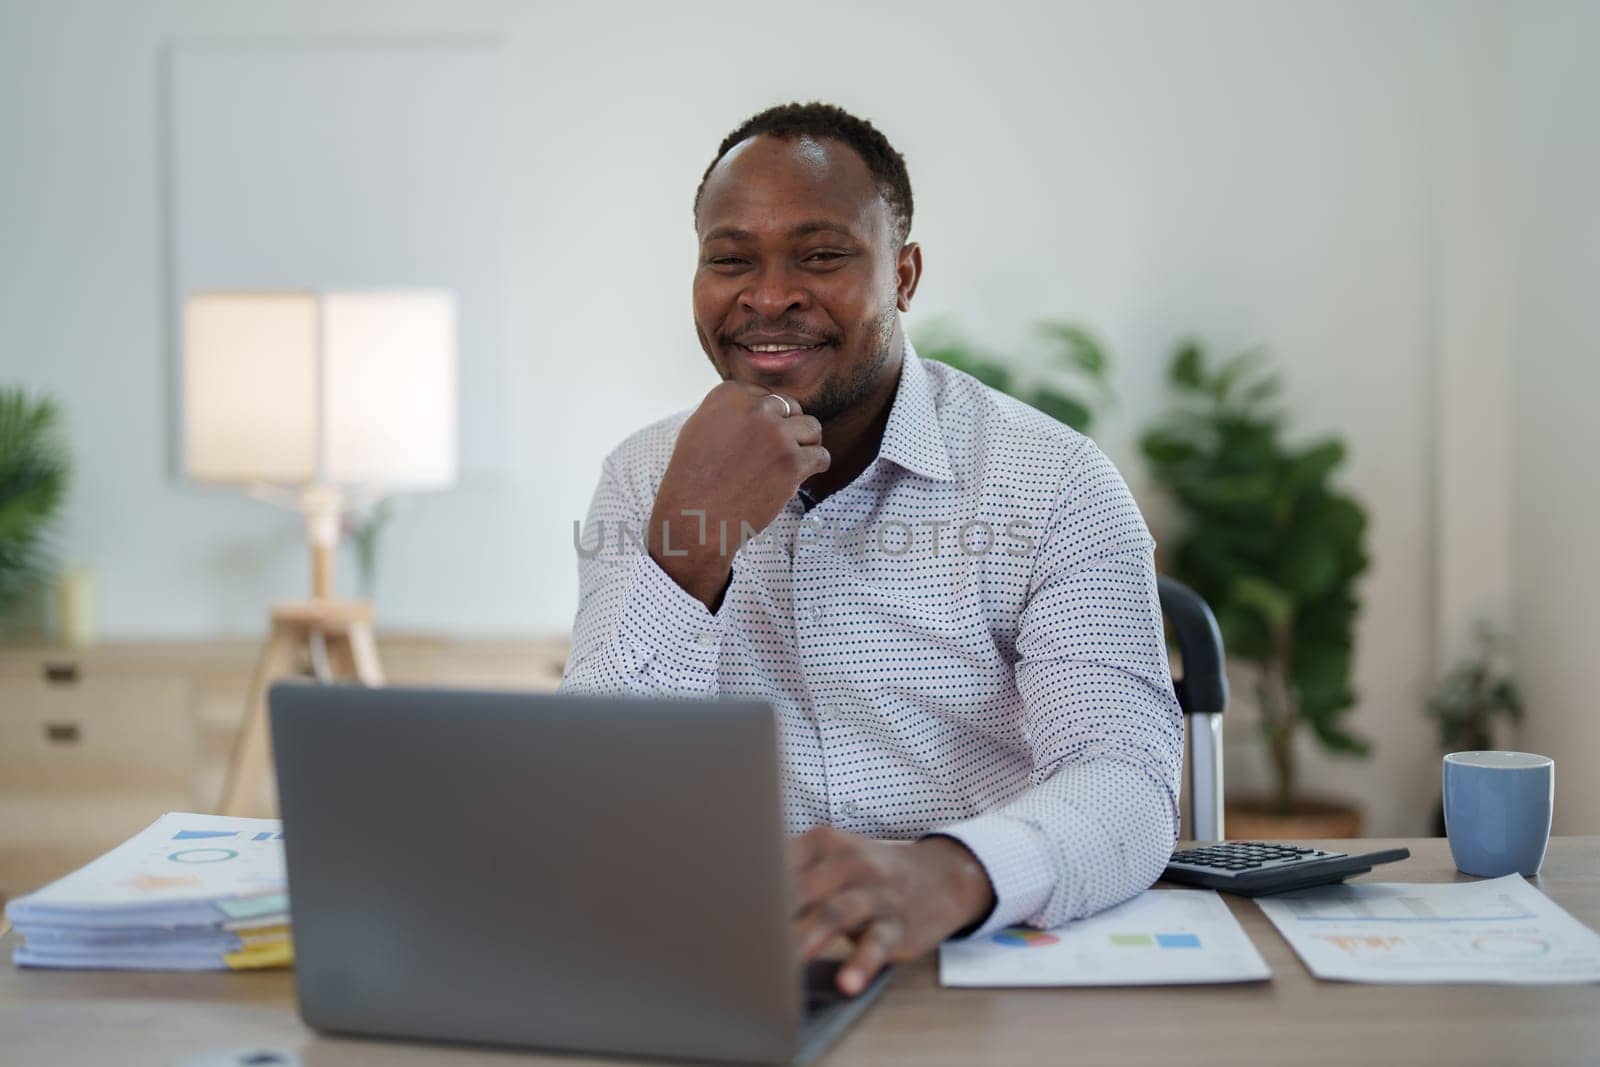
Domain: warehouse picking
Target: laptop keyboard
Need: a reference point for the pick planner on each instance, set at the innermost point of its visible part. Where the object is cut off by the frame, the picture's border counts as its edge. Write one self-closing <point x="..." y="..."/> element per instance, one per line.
<point x="828" y="1012"/>
<point x="822" y="990"/>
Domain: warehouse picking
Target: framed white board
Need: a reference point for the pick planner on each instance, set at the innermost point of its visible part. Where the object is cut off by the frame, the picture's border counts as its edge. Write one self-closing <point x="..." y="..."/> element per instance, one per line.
<point x="346" y="163"/>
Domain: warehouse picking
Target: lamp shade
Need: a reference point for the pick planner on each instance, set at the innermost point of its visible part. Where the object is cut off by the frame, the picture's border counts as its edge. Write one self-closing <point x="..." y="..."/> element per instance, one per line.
<point x="345" y="388"/>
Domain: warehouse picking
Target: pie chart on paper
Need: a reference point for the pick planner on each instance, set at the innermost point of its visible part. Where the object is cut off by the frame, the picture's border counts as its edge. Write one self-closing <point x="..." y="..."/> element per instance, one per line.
<point x="203" y="855"/>
<point x="1024" y="937"/>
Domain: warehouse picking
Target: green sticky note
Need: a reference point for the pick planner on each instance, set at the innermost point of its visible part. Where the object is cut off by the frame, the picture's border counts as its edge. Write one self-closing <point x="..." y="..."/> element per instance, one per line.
<point x="1129" y="940"/>
<point x="252" y="907"/>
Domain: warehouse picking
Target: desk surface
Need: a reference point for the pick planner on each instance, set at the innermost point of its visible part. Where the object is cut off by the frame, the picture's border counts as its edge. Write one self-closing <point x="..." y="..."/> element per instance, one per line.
<point x="59" y="1017"/>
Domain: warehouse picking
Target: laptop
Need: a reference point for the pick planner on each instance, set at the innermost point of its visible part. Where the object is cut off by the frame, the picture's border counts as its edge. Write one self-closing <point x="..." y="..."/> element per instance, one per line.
<point x="599" y="874"/>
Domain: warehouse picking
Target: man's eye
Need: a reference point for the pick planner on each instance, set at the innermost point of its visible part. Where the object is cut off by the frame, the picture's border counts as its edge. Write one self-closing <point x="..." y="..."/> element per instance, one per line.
<point x="726" y="261"/>
<point x="824" y="257"/>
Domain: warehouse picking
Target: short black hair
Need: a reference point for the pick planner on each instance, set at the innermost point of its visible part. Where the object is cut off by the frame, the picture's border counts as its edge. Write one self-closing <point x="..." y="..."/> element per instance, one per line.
<point x="820" y="121"/>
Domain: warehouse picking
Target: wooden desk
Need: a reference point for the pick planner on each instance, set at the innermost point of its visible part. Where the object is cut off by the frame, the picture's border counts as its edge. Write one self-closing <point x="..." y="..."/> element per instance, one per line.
<point x="56" y="1017"/>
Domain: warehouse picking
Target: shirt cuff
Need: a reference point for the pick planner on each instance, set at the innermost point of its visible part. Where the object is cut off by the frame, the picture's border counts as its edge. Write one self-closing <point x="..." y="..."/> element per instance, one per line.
<point x="669" y="628"/>
<point x="1016" y="857"/>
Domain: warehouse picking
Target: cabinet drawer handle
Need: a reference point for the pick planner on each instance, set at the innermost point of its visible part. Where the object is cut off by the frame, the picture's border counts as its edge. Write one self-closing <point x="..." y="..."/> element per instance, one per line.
<point x="62" y="733"/>
<point x="61" y="673"/>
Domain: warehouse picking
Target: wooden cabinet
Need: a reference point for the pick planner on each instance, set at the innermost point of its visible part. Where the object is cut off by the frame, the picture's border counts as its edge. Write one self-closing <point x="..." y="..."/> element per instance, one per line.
<point x="96" y="743"/>
<point x="102" y="736"/>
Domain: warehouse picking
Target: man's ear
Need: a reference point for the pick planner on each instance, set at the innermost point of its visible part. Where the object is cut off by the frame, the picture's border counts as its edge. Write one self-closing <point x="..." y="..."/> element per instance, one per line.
<point x="908" y="271"/>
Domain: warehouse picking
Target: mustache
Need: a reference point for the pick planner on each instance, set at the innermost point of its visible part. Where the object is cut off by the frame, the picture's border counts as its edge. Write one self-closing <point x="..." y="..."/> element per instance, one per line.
<point x="787" y="327"/>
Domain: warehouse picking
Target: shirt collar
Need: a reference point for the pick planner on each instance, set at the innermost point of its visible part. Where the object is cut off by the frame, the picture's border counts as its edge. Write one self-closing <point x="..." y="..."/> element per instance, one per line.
<point x="913" y="438"/>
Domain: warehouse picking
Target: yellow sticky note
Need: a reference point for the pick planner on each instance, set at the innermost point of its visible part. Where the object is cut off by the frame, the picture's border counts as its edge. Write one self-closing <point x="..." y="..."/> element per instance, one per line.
<point x="276" y="953"/>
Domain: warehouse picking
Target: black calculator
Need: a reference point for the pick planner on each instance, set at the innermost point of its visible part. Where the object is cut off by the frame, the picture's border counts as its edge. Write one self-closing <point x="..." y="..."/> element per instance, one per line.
<point x="1255" y="868"/>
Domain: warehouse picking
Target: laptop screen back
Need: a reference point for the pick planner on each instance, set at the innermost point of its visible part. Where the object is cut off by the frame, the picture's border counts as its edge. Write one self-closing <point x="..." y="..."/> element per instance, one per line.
<point x="581" y="872"/>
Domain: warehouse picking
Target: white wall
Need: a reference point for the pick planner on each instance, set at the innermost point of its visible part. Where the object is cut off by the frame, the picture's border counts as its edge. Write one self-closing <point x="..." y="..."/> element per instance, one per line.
<point x="1250" y="172"/>
<point x="1556" y="354"/>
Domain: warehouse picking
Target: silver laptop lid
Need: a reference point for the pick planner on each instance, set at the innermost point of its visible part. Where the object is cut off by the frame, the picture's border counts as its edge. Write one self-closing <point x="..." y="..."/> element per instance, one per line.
<point x="581" y="872"/>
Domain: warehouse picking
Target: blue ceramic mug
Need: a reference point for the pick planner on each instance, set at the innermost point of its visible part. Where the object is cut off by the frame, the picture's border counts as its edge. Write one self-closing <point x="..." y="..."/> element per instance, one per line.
<point x="1497" y="808"/>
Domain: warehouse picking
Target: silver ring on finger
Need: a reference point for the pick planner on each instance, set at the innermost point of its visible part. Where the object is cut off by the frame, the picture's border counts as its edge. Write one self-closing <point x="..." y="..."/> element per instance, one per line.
<point x="788" y="409"/>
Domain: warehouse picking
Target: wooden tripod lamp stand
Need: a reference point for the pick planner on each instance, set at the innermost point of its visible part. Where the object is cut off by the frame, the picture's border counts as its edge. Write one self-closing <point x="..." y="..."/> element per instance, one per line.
<point x="312" y="400"/>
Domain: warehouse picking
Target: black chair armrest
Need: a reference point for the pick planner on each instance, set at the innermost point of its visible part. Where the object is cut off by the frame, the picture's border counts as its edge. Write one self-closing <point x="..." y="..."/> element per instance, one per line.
<point x="1203" y="688"/>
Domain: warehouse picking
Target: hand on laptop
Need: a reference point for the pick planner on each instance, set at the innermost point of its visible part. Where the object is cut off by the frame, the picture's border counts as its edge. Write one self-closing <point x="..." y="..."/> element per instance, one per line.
<point x="739" y="458"/>
<point x="894" y="899"/>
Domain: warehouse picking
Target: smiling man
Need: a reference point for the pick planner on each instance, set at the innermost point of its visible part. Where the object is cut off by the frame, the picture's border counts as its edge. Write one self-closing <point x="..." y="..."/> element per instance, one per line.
<point x="948" y="597"/>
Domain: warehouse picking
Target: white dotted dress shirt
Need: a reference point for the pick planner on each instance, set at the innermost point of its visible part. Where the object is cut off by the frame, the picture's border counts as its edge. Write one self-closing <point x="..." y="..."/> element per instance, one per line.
<point x="964" y="640"/>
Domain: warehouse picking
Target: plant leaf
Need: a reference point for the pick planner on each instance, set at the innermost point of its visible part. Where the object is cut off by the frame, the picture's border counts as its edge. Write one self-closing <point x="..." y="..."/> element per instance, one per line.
<point x="34" y="472"/>
<point x="1059" y="406"/>
<point x="1188" y="366"/>
<point x="1338" y="740"/>
<point x="1231" y="372"/>
<point x="1274" y="604"/>
<point x="1313" y="465"/>
<point x="1081" y="349"/>
<point x="1166" y="447"/>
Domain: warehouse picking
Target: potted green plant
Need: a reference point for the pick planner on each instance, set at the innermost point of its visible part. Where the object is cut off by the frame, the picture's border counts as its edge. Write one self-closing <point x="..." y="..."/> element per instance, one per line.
<point x="1075" y="382"/>
<point x="1471" y="697"/>
<point x="1276" y="550"/>
<point x="34" y="471"/>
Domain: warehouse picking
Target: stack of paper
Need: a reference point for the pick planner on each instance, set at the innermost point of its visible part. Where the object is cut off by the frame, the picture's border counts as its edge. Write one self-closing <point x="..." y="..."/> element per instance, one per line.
<point x="190" y="893"/>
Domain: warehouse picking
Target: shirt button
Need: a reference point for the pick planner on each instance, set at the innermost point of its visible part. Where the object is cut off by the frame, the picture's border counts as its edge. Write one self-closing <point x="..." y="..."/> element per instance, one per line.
<point x="816" y="614"/>
<point x="707" y="639"/>
<point x="850" y="807"/>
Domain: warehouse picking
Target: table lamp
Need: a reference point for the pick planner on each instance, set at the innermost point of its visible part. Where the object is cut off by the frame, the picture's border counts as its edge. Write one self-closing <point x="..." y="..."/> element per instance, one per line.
<point x="316" y="399"/>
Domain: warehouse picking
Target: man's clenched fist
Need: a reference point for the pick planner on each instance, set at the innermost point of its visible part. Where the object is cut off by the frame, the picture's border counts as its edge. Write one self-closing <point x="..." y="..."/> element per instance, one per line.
<point x="739" y="459"/>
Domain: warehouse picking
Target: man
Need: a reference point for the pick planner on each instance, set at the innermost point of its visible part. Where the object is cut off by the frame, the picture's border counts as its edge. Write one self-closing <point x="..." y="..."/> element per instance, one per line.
<point x="948" y="597"/>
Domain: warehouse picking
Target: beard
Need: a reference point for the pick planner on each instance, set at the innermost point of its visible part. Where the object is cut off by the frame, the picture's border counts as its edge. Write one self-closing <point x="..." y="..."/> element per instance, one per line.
<point x="843" y="391"/>
<point x="848" y="387"/>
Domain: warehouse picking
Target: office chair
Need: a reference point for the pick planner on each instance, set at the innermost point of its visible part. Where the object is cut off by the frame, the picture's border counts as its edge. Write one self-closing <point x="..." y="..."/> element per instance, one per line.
<point x="1203" y="694"/>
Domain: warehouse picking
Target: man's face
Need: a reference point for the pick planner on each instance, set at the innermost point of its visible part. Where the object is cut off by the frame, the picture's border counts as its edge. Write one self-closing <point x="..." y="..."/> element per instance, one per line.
<point x="799" y="275"/>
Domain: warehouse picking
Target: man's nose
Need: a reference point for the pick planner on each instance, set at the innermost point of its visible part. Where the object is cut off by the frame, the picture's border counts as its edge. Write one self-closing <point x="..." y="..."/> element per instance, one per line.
<point x="773" y="293"/>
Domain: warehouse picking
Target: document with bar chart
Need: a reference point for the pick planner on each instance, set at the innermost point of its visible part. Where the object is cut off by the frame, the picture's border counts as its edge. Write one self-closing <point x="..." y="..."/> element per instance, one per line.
<point x="1501" y="930"/>
<point x="1160" y="937"/>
